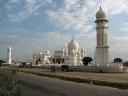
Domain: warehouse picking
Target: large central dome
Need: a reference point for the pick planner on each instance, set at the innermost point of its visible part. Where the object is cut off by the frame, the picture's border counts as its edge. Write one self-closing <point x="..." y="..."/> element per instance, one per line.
<point x="73" y="45"/>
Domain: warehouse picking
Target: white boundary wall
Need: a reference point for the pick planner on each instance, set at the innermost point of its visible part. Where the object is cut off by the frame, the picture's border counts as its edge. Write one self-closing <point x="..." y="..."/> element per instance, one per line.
<point x="108" y="69"/>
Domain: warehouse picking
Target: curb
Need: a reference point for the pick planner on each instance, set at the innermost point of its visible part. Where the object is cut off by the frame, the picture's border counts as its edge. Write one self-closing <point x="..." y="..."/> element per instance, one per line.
<point x="81" y="80"/>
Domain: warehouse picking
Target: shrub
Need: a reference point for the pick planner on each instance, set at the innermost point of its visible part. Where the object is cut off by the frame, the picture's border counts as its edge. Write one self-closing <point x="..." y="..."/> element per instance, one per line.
<point x="9" y="86"/>
<point x="117" y="60"/>
<point x="87" y="60"/>
<point x="125" y="63"/>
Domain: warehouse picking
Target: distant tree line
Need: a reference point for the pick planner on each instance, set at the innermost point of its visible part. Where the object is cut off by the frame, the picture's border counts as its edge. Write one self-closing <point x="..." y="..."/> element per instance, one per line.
<point x="1" y="62"/>
<point x="120" y="60"/>
<point x="86" y="60"/>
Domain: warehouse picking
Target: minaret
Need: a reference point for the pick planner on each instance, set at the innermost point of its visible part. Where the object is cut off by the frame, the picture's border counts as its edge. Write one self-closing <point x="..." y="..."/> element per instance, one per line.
<point x="9" y="55"/>
<point x="102" y="38"/>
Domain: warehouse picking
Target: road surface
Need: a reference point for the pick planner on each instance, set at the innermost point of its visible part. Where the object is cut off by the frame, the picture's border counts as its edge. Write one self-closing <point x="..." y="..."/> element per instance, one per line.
<point x="44" y="86"/>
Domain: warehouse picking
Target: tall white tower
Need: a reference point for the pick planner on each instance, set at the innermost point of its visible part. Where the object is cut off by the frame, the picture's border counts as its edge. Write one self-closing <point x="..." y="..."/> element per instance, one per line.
<point x="102" y="38"/>
<point x="9" y="55"/>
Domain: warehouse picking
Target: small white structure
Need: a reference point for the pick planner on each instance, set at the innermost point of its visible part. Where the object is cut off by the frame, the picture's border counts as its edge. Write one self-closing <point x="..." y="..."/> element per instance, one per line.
<point x="9" y="55"/>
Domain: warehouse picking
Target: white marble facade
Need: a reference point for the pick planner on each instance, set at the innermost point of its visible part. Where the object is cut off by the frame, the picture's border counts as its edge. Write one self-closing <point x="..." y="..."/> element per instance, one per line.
<point x="102" y="38"/>
<point x="73" y="56"/>
<point x="9" y="56"/>
<point x="41" y="58"/>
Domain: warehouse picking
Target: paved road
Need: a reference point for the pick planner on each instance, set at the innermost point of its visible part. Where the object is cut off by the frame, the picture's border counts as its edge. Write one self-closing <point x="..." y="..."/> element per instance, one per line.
<point x="44" y="86"/>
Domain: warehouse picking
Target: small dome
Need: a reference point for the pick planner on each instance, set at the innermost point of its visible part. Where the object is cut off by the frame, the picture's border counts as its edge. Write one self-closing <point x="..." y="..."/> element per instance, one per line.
<point x="62" y="50"/>
<point x="40" y="53"/>
<point x="47" y="52"/>
<point x="100" y="14"/>
<point x="73" y="45"/>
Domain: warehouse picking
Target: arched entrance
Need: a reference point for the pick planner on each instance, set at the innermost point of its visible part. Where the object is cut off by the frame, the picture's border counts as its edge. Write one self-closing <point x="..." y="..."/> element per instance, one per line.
<point x="38" y="61"/>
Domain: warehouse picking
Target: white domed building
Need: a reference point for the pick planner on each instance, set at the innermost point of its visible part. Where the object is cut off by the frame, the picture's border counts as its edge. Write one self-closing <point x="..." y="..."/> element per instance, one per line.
<point x="73" y="56"/>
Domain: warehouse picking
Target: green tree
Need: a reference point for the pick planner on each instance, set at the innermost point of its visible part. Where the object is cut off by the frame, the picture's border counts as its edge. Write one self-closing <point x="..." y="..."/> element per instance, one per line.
<point x="125" y="63"/>
<point x="117" y="60"/>
<point x="1" y="61"/>
<point x="87" y="60"/>
<point x="9" y="86"/>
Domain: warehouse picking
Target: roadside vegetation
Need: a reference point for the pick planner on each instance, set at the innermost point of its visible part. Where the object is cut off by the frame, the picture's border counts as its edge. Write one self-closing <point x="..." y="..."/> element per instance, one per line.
<point x="9" y="85"/>
<point x="125" y="63"/>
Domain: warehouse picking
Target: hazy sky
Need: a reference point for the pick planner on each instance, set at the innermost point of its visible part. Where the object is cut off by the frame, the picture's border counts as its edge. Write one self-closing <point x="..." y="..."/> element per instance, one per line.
<point x="36" y="25"/>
